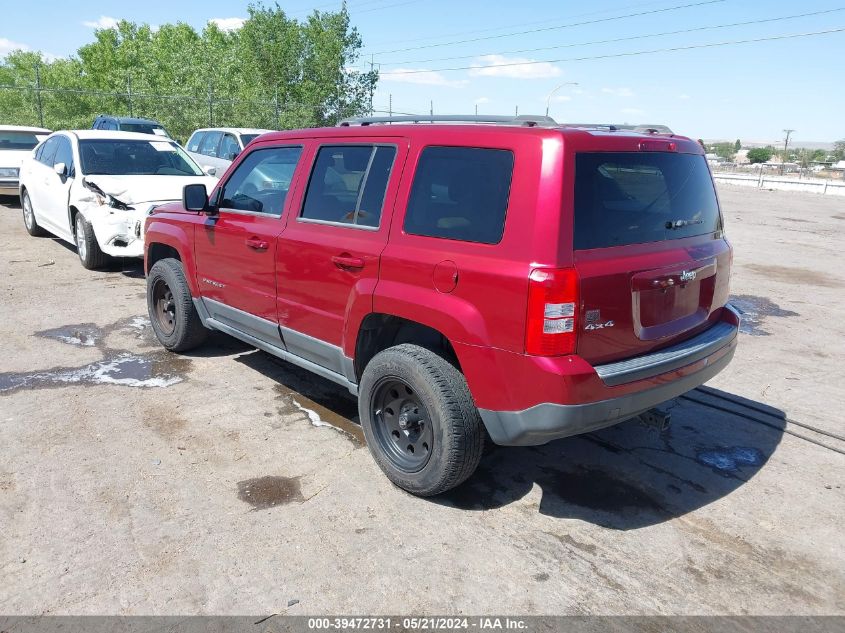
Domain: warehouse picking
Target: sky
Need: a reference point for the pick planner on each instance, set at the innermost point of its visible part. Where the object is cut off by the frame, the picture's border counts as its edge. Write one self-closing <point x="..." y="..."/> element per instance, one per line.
<point x="581" y="59"/>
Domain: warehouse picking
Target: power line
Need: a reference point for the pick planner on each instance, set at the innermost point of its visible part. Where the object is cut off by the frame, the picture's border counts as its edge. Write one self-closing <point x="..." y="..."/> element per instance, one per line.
<point x="520" y="25"/>
<point x="614" y="55"/>
<point x="618" y="39"/>
<point x="554" y="28"/>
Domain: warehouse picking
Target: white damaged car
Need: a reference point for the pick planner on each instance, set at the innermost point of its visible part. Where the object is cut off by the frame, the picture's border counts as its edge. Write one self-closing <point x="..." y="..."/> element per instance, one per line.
<point x="94" y="188"/>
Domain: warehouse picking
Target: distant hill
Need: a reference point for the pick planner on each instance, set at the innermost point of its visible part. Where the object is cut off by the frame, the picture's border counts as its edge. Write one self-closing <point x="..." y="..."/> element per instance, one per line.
<point x="775" y="143"/>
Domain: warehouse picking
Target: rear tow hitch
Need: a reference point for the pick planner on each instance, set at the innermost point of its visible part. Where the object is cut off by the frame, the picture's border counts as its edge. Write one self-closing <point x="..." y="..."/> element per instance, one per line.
<point x="656" y="418"/>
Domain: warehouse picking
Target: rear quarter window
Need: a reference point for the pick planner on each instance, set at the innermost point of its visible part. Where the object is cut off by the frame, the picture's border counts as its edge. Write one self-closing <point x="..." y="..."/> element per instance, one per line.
<point x="460" y="193"/>
<point x="637" y="197"/>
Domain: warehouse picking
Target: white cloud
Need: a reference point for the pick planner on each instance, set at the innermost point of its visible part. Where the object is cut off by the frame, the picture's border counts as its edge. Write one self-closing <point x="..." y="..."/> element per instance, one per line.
<point x="684" y="97"/>
<point x="7" y="46"/>
<point x="105" y="22"/>
<point x="634" y="111"/>
<point x="228" y="24"/>
<point x="561" y="98"/>
<point x="618" y="92"/>
<point x="481" y="100"/>
<point x="420" y="76"/>
<point x="513" y="68"/>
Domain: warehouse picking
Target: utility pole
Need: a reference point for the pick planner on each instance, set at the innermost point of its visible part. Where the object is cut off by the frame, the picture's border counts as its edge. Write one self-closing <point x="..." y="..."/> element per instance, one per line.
<point x="129" y="92"/>
<point x="549" y="97"/>
<point x="371" y="85"/>
<point x="785" y="147"/>
<point x="210" y="105"/>
<point x="38" y="94"/>
<point x="276" y="104"/>
<point x="476" y="109"/>
<point x="516" y="111"/>
<point x="431" y="108"/>
<point x="390" y="103"/>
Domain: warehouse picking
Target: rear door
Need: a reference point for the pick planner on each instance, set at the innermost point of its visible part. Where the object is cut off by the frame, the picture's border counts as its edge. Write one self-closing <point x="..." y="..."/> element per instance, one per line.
<point x="649" y="250"/>
<point x="236" y="250"/>
<point x="38" y="182"/>
<point x="328" y="256"/>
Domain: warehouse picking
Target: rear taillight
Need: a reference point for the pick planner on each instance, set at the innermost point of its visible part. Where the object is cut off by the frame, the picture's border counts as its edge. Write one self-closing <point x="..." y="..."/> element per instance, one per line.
<point x="552" y="309"/>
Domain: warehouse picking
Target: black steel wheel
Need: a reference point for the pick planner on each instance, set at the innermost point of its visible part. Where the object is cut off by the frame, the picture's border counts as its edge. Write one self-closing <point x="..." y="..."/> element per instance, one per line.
<point x="402" y="425"/>
<point x="419" y="419"/>
<point x="165" y="308"/>
<point x="174" y="317"/>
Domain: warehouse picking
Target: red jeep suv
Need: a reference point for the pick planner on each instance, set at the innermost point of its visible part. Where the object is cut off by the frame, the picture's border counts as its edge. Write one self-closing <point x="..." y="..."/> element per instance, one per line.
<point x="510" y="277"/>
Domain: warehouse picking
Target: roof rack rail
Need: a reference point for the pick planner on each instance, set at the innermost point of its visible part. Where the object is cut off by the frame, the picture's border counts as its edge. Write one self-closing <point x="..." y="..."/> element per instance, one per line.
<point x="614" y="127"/>
<point x="523" y="119"/>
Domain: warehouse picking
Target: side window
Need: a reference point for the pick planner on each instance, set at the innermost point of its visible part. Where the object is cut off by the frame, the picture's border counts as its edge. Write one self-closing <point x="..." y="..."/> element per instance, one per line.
<point x="48" y="151"/>
<point x="229" y="147"/>
<point x="209" y="143"/>
<point x="194" y="143"/>
<point x="261" y="181"/>
<point x="110" y="125"/>
<point x="348" y="183"/>
<point x="460" y="193"/>
<point x="64" y="154"/>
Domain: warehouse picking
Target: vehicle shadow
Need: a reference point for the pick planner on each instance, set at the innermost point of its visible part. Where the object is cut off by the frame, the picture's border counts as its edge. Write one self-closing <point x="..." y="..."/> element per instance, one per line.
<point x="13" y="203"/>
<point x="131" y="267"/>
<point x="630" y="475"/>
<point x="624" y="477"/>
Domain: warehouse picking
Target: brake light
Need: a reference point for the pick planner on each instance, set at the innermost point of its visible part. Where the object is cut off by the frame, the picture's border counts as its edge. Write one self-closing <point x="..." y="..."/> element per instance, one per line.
<point x="658" y="145"/>
<point x="552" y="310"/>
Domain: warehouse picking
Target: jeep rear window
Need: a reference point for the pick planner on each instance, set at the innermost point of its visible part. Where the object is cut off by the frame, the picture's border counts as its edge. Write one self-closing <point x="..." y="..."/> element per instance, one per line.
<point x="635" y="197"/>
<point x="460" y="193"/>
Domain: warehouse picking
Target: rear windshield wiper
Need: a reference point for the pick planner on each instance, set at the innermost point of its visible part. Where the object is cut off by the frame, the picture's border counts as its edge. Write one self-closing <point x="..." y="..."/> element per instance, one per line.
<point x="679" y="224"/>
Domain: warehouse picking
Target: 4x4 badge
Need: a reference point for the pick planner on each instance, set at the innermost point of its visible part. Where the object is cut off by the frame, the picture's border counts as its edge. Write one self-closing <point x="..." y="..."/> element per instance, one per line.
<point x="593" y="318"/>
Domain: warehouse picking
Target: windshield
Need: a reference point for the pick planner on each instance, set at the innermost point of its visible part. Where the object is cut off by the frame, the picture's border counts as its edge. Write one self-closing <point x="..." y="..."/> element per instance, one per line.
<point x="246" y="139"/>
<point x="144" y="128"/>
<point x="635" y="197"/>
<point x="135" y="158"/>
<point x="17" y="140"/>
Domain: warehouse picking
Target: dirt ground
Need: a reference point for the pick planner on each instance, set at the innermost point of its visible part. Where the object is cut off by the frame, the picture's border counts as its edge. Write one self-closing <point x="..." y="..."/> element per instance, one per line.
<point x="133" y="481"/>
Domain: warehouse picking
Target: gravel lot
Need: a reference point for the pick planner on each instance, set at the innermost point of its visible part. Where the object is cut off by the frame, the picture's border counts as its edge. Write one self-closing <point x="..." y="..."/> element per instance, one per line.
<point x="133" y="481"/>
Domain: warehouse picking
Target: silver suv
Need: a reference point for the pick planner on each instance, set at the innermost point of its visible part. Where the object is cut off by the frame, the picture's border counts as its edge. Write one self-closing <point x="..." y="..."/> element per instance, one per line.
<point x="215" y="148"/>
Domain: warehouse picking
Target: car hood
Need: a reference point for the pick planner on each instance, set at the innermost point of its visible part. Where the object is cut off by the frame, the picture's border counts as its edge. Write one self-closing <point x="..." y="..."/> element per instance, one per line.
<point x="139" y="189"/>
<point x="13" y="157"/>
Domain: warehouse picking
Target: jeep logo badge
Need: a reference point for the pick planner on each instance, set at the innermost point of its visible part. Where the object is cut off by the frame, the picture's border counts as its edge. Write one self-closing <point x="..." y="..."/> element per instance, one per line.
<point x="687" y="275"/>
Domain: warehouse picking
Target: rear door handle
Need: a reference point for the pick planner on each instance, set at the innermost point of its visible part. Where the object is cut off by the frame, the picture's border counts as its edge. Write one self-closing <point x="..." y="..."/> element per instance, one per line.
<point x="257" y="244"/>
<point x="348" y="262"/>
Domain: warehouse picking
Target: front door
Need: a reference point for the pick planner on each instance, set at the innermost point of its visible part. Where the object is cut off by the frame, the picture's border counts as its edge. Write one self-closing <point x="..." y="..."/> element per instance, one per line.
<point x="328" y="256"/>
<point x="236" y="250"/>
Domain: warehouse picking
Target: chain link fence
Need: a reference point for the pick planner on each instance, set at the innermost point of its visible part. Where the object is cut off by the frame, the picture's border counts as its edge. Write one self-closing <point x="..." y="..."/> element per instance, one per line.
<point x="66" y="108"/>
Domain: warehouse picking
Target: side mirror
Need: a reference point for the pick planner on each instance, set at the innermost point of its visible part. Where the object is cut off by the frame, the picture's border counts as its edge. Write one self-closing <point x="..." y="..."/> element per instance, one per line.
<point x="195" y="198"/>
<point x="210" y="170"/>
<point x="60" y="169"/>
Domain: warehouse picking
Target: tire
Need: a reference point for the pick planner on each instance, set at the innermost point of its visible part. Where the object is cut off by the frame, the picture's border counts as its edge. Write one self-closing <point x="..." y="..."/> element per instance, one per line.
<point x="87" y="247"/>
<point x="172" y="313"/>
<point x="448" y="419"/>
<point x="29" y="220"/>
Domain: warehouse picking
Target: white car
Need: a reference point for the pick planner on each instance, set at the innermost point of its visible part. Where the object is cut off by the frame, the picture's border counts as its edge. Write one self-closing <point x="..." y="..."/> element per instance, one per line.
<point x="16" y="143"/>
<point x="94" y="188"/>
<point x="214" y="149"/>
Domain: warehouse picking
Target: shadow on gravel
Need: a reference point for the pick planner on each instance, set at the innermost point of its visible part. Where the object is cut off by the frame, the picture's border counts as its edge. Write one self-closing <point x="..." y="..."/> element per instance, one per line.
<point x="624" y="477"/>
<point x="630" y="476"/>
<point x="11" y="202"/>
<point x="132" y="267"/>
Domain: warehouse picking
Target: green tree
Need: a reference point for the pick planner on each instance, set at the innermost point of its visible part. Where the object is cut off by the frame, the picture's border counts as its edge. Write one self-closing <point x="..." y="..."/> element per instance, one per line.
<point x="737" y="145"/>
<point x="839" y="149"/>
<point x="274" y="72"/>
<point x="724" y="150"/>
<point x="760" y="154"/>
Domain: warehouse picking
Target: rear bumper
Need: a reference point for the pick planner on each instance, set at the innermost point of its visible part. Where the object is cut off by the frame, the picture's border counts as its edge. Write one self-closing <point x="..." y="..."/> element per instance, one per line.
<point x="647" y="381"/>
<point x="9" y="187"/>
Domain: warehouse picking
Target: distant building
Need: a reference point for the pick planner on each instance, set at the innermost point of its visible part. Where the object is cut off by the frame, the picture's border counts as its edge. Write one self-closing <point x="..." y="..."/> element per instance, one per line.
<point x="741" y="157"/>
<point x="840" y="166"/>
